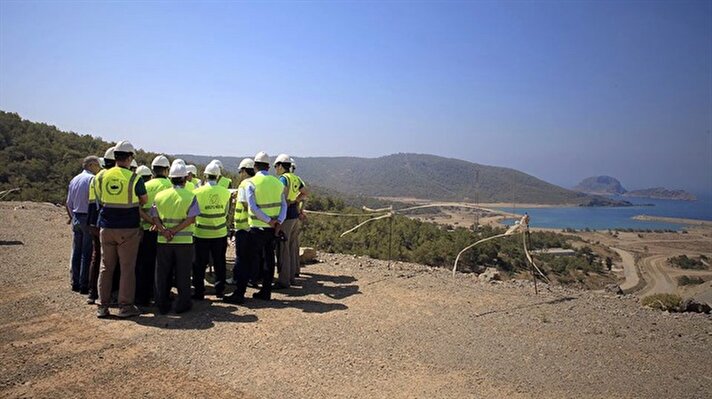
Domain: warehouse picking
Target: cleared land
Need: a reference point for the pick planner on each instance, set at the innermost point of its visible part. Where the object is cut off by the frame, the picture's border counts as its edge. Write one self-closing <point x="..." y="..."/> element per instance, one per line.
<point x="354" y="328"/>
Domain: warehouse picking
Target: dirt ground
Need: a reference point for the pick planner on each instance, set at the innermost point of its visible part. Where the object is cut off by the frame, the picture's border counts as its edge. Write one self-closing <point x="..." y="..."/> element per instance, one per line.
<point x="352" y="328"/>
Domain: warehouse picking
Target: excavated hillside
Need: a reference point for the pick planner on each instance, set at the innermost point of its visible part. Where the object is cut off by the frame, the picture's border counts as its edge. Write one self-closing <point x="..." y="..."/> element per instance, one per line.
<point x="351" y="328"/>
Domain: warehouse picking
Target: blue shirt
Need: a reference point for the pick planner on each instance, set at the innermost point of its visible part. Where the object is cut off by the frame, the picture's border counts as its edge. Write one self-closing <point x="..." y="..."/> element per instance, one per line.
<point x="252" y="204"/>
<point x="123" y="218"/>
<point x="293" y="209"/>
<point x="78" y="192"/>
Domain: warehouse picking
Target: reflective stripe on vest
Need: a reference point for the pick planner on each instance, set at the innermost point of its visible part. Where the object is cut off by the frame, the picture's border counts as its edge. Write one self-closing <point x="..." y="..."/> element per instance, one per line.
<point x="153" y="187"/>
<point x="241" y="222"/>
<point x="172" y="206"/>
<point x="116" y="188"/>
<point x="268" y="196"/>
<point x="213" y="202"/>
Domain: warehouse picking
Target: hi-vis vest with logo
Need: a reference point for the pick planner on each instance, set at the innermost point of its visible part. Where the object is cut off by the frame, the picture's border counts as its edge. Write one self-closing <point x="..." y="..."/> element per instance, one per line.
<point x="224" y="181"/>
<point x="172" y="206"/>
<point x="293" y="184"/>
<point x="241" y="210"/>
<point x="213" y="202"/>
<point x="153" y="187"/>
<point x="268" y="196"/>
<point x="117" y="188"/>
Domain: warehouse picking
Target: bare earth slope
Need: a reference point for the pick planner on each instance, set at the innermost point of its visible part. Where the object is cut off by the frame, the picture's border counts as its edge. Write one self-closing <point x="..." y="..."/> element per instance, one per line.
<point x="354" y="329"/>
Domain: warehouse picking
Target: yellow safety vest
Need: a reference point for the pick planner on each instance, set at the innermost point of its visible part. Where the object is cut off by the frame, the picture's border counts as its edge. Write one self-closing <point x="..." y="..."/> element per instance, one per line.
<point x="190" y="186"/>
<point x="117" y="187"/>
<point x="224" y="181"/>
<point x="293" y="183"/>
<point x="241" y="210"/>
<point x="153" y="187"/>
<point x="172" y="206"/>
<point x="268" y="196"/>
<point x="213" y="202"/>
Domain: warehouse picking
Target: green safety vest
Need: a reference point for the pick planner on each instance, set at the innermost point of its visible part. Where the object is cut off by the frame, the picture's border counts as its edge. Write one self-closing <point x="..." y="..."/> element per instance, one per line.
<point x="241" y="210"/>
<point x="224" y="181"/>
<point x="117" y="187"/>
<point x="153" y="187"/>
<point x="189" y="185"/>
<point x="268" y="196"/>
<point x="172" y="206"/>
<point x="293" y="183"/>
<point x="213" y="202"/>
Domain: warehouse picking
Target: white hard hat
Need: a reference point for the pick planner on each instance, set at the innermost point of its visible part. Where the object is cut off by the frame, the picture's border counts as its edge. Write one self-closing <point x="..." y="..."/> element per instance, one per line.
<point x="178" y="161"/>
<point x="161" y="161"/>
<point x="124" y="146"/>
<point x="109" y="154"/>
<point x="262" y="157"/>
<point x="246" y="163"/>
<point x="177" y="170"/>
<point x="102" y="163"/>
<point x="217" y="162"/>
<point x="212" y="169"/>
<point x="134" y="164"/>
<point x="282" y="158"/>
<point x="143" y="170"/>
<point x="192" y="169"/>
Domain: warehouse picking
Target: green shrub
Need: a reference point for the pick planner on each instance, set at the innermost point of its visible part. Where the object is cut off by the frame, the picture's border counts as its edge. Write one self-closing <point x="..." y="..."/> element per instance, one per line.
<point x="687" y="280"/>
<point x="685" y="262"/>
<point x="669" y="302"/>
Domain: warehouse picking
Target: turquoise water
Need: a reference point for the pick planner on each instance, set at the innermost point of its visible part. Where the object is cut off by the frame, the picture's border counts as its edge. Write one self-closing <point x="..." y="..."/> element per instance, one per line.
<point x="601" y="218"/>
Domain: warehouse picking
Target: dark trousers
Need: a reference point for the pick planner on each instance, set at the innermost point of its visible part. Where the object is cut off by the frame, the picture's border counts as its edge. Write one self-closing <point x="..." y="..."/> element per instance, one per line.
<point x="81" y="252"/>
<point x="173" y="259"/>
<point x="261" y="255"/>
<point x="242" y="272"/>
<point x="94" y="267"/>
<point x="146" y="267"/>
<point x="204" y="249"/>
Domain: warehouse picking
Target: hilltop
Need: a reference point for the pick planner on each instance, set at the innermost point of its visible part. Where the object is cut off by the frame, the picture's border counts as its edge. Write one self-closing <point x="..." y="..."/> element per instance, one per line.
<point x="352" y="327"/>
<point x="426" y="177"/>
<point x="602" y="185"/>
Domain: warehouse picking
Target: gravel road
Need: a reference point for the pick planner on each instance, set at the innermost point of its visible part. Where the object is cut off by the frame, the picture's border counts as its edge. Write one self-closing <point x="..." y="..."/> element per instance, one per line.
<point x="351" y="328"/>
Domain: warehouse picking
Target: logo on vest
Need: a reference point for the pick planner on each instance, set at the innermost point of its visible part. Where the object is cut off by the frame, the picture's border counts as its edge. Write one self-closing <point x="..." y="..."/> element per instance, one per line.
<point x="115" y="186"/>
<point x="214" y="199"/>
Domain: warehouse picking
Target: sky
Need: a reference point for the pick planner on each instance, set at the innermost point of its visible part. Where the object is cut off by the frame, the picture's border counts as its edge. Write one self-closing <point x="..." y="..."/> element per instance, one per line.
<point x="562" y="90"/>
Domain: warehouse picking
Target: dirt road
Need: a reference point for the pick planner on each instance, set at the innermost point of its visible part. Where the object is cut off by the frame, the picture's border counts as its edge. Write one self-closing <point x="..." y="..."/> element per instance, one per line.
<point x="352" y="328"/>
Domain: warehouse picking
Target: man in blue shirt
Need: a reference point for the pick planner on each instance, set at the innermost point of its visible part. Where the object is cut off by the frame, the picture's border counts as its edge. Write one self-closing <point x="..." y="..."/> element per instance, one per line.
<point x="77" y="205"/>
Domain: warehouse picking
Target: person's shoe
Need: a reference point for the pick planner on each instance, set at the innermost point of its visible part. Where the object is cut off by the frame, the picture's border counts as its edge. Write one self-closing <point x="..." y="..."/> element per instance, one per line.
<point x="234" y="299"/>
<point x="265" y="296"/>
<point x="75" y="288"/>
<point x="219" y="294"/>
<point x="91" y="301"/>
<point x="102" y="312"/>
<point x="231" y="281"/>
<point x="84" y="291"/>
<point x="279" y="287"/>
<point x="164" y="309"/>
<point x="197" y="297"/>
<point x="129" y="311"/>
<point x="254" y="284"/>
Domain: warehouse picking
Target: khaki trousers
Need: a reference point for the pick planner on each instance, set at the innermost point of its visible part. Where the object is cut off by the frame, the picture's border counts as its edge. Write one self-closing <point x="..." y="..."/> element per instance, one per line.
<point x="119" y="248"/>
<point x="288" y="263"/>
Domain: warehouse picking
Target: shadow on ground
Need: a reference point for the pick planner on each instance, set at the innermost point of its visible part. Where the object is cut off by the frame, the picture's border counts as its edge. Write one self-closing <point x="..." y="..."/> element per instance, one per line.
<point x="202" y="317"/>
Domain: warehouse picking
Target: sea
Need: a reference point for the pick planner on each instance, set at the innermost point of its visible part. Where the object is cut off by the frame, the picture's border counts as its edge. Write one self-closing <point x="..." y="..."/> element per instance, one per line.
<point x="604" y="218"/>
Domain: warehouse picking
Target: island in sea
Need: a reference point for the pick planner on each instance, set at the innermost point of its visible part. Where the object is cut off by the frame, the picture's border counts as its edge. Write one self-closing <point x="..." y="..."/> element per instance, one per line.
<point x="607" y="185"/>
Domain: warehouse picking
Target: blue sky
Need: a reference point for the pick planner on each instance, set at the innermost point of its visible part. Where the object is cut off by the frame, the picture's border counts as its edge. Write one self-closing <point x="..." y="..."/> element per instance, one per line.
<point x="561" y="90"/>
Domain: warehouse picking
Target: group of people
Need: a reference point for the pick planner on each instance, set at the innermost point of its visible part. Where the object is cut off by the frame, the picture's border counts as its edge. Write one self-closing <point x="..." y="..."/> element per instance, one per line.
<point x="140" y="231"/>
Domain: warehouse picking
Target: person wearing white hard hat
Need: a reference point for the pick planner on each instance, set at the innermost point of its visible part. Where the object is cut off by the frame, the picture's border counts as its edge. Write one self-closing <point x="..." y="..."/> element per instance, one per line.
<point x="121" y="194"/>
<point x="288" y="252"/>
<point x="222" y="180"/>
<point x="193" y="176"/>
<point x="241" y="227"/>
<point x="146" y="258"/>
<point x="145" y="173"/>
<point x="77" y="206"/>
<point x="134" y="166"/>
<point x="174" y="212"/>
<point x="267" y="208"/>
<point x="210" y="235"/>
<point x="106" y="162"/>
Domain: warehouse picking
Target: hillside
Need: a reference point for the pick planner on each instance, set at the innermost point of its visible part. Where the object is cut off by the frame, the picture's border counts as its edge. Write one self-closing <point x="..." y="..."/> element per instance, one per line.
<point x="662" y="193"/>
<point x="424" y="176"/>
<point x="602" y="185"/>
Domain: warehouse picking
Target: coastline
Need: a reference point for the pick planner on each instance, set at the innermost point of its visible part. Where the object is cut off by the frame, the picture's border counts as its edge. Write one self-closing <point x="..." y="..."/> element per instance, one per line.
<point x="691" y="222"/>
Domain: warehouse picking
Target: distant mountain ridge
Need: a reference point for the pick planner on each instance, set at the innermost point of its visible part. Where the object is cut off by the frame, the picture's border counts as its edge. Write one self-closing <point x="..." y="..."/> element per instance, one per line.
<point x="427" y="177"/>
<point x="607" y="185"/>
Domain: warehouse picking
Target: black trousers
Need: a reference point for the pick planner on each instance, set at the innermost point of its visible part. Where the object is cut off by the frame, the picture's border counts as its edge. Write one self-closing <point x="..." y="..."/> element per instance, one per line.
<point x="259" y="254"/>
<point x="204" y="249"/>
<point x="173" y="259"/>
<point x="146" y="267"/>
<point x="241" y="260"/>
